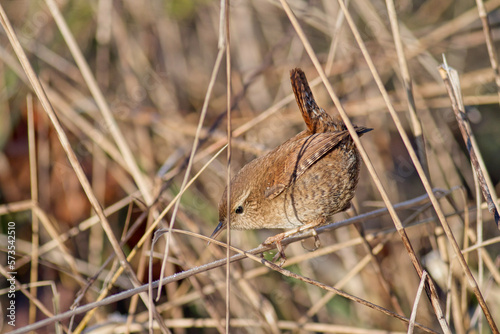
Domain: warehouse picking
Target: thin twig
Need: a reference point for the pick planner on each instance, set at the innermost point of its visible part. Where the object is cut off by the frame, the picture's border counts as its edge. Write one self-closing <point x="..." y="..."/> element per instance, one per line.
<point x="179" y="276"/>
<point x="413" y="316"/>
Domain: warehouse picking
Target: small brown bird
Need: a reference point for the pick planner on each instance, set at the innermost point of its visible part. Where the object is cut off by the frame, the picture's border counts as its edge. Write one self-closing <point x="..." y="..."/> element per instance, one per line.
<point x="301" y="183"/>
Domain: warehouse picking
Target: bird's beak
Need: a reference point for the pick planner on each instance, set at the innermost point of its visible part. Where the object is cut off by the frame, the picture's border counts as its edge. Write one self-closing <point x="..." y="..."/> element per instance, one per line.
<point x="362" y="130"/>
<point x="217" y="230"/>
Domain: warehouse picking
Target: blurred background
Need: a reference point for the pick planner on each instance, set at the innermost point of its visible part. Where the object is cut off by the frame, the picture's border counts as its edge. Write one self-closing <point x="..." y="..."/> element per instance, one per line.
<point x="152" y="61"/>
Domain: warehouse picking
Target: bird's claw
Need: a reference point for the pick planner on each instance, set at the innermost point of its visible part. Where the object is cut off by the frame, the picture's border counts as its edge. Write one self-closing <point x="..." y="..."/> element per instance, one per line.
<point x="281" y="249"/>
<point x="317" y="242"/>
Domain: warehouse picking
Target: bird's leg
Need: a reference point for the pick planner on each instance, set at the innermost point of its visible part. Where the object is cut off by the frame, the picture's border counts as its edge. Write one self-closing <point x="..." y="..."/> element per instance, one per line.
<point x="276" y="239"/>
<point x="280" y="254"/>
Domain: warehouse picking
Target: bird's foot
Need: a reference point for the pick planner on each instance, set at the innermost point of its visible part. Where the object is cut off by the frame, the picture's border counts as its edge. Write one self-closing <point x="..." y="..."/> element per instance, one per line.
<point x="276" y="239"/>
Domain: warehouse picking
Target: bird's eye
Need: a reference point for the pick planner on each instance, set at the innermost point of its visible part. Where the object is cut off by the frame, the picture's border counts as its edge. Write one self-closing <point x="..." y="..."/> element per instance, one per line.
<point x="239" y="210"/>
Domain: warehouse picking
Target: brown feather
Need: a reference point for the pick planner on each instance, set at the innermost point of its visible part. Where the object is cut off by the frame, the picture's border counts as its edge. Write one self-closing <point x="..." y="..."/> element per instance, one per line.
<point x="316" y="118"/>
<point x="298" y="156"/>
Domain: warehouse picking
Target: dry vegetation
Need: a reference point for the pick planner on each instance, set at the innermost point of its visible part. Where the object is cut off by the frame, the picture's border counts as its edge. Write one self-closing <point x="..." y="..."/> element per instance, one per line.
<point x="129" y="110"/>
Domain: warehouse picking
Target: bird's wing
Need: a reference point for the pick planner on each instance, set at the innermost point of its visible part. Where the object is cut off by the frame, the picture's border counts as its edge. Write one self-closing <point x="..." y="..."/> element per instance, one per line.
<point x="298" y="154"/>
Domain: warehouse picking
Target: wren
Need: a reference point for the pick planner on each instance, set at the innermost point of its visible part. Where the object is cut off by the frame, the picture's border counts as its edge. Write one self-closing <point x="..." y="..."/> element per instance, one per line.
<point x="301" y="183"/>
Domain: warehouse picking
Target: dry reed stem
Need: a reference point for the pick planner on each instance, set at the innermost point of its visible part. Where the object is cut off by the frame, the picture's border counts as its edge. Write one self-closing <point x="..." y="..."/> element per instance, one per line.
<point x="31" y="298"/>
<point x="225" y="44"/>
<point x="492" y="53"/>
<point x="66" y="145"/>
<point x="479" y="234"/>
<point x="242" y="254"/>
<point x="60" y="131"/>
<point x="111" y="125"/>
<point x="105" y="301"/>
<point x="408" y="86"/>
<point x="145" y="238"/>
<point x="452" y="83"/>
<point x="425" y="183"/>
<point x="191" y="157"/>
<point x="35" y="238"/>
